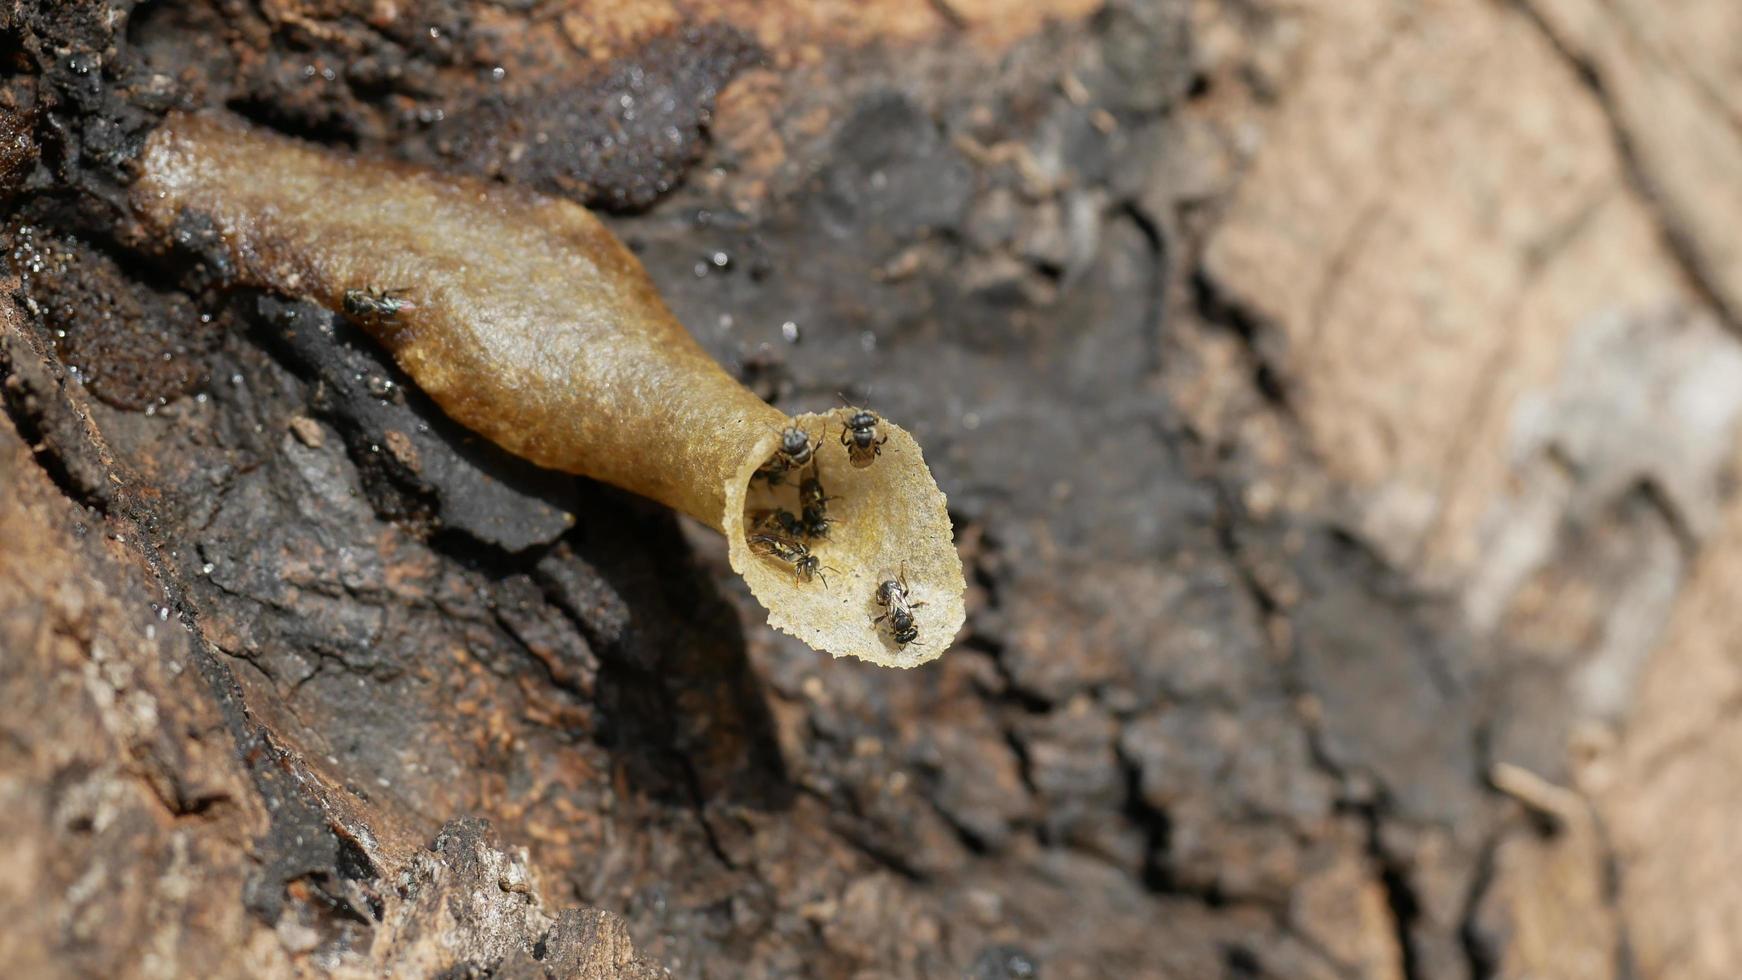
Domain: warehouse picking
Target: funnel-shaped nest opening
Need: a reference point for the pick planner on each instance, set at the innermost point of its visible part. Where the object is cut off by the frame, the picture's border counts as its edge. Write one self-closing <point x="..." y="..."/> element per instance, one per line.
<point x="884" y="519"/>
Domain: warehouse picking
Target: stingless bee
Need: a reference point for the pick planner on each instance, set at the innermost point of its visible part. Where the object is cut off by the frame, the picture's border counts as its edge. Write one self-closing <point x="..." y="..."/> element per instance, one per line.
<point x="811" y="494"/>
<point x="813" y="503"/>
<point x="864" y="443"/>
<point x="902" y="629"/>
<point x="796" y="450"/>
<point x="777" y="522"/>
<point x="805" y="566"/>
<point x="892" y="594"/>
<point x="901" y="625"/>
<point x="815" y="524"/>
<point x="369" y="305"/>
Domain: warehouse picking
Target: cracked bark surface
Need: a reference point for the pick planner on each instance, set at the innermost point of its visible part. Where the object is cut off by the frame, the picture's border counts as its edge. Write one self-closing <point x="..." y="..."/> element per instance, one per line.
<point x="1480" y="244"/>
<point x="1336" y="404"/>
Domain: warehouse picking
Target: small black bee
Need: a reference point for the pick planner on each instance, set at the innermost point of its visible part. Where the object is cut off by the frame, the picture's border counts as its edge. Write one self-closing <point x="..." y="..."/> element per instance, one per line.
<point x="796" y="450"/>
<point x="811" y="495"/>
<point x="815" y="523"/>
<point x="795" y="447"/>
<point x="368" y="305"/>
<point x="864" y="443"/>
<point x="813" y="503"/>
<point x="777" y="522"/>
<point x="902" y="630"/>
<point x="892" y="593"/>
<point x="901" y="626"/>
<point x="805" y="566"/>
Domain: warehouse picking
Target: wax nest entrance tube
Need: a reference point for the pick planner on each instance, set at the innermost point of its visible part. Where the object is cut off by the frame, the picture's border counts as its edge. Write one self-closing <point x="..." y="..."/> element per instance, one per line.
<point x="886" y="519"/>
<point x="526" y="320"/>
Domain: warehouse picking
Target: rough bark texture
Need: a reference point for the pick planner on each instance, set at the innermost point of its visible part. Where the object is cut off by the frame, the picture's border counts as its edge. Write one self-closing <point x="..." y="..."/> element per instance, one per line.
<point x="1338" y="404"/>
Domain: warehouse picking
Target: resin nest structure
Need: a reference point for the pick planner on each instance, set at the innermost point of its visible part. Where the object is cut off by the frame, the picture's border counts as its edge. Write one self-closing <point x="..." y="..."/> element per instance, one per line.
<point x="527" y="320"/>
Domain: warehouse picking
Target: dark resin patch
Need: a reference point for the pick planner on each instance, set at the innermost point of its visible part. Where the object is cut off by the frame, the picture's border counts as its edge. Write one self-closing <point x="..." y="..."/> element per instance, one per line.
<point x="18" y="151"/>
<point x="131" y="347"/>
<point x="618" y="140"/>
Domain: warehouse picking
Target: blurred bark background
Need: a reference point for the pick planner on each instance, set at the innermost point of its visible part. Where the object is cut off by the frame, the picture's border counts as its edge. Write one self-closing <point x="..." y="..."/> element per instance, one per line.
<point x="1338" y="404"/>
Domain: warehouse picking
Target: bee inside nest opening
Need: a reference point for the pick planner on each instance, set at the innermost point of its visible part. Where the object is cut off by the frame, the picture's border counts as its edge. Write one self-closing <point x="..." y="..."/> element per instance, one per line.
<point x="830" y="516"/>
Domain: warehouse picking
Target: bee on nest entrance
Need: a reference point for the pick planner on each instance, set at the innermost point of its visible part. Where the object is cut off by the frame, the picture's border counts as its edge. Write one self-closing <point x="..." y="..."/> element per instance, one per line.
<point x="787" y="521"/>
<point x="849" y="554"/>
